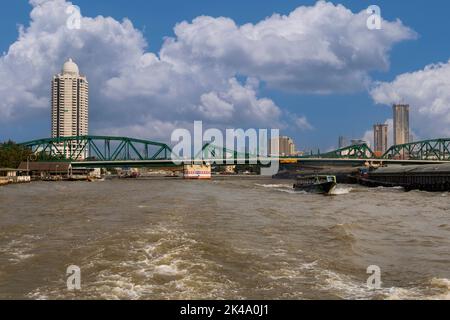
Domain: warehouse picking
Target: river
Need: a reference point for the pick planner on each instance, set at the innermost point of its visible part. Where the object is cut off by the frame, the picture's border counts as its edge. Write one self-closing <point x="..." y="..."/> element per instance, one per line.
<point x="230" y="238"/>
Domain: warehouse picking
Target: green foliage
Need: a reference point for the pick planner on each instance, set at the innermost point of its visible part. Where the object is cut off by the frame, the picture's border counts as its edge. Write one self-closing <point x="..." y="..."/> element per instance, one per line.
<point x="12" y="154"/>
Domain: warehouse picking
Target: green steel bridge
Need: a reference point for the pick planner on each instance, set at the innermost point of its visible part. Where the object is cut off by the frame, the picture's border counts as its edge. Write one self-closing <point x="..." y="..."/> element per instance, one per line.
<point x="98" y="148"/>
<point x="105" y="151"/>
<point x="438" y="150"/>
<point x="95" y="151"/>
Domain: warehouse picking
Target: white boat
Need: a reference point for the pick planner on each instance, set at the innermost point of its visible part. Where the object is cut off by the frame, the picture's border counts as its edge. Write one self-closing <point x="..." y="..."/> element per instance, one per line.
<point x="197" y="172"/>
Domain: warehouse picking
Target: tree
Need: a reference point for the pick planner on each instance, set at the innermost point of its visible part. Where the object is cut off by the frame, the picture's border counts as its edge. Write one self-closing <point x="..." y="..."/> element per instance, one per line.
<point x="12" y="154"/>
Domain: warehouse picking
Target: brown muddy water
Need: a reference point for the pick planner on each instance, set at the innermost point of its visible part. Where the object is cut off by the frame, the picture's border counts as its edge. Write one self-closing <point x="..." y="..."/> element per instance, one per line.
<point x="222" y="239"/>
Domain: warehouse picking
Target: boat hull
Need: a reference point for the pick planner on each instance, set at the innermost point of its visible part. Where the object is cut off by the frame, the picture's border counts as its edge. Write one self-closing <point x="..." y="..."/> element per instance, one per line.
<point x="320" y="188"/>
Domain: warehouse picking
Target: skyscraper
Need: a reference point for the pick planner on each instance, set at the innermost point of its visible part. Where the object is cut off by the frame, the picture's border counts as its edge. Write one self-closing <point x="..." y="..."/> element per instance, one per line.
<point x="380" y="138"/>
<point x="286" y="146"/>
<point x="70" y="105"/>
<point x="401" y="123"/>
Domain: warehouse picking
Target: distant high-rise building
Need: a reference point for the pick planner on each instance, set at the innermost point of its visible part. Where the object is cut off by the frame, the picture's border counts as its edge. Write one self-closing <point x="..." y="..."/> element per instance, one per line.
<point x="380" y="137"/>
<point x="401" y="123"/>
<point x="286" y="146"/>
<point x="70" y="105"/>
<point x="342" y="142"/>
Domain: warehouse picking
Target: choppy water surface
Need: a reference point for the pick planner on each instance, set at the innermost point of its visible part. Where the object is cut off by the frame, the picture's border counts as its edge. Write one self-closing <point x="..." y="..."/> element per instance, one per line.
<point x="223" y="239"/>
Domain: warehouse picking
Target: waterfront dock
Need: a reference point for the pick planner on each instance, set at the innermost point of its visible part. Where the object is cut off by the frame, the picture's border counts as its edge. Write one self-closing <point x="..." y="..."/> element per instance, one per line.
<point x="12" y="176"/>
<point x="59" y="171"/>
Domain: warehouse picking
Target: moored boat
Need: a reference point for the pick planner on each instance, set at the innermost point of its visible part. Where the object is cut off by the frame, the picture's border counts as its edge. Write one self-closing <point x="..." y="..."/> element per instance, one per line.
<point x="316" y="184"/>
<point x="197" y="172"/>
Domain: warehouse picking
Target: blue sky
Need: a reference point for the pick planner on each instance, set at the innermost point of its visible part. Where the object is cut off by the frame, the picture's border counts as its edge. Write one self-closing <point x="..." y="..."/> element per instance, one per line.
<point x="331" y="115"/>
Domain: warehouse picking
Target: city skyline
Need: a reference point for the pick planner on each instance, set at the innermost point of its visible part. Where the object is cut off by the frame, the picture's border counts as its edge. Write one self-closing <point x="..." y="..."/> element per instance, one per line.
<point x="133" y="86"/>
<point x="72" y="88"/>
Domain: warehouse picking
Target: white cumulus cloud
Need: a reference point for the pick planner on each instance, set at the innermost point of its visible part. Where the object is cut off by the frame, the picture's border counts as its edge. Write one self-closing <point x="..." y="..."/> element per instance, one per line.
<point x="427" y="92"/>
<point x="320" y="49"/>
<point x="302" y="123"/>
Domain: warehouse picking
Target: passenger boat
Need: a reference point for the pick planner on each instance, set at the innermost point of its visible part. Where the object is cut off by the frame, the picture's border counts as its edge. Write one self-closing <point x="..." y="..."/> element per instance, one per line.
<point x="197" y="172"/>
<point x="316" y="184"/>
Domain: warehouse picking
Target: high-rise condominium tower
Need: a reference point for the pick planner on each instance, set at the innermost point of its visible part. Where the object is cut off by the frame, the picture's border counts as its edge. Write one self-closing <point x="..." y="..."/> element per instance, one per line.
<point x="401" y="123"/>
<point x="70" y="104"/>
<point x="380" y="137"/>
<point x="287" y="146"/>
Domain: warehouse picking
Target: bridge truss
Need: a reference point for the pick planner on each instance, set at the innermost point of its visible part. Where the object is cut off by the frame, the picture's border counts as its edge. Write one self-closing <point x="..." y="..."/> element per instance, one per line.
<point x="105" y="148"/>
<point x="100" y="148"/>
<point x="438" y="149"/>
<point x="360" y="151"/>
<point x="211" y="152"/>
<point x="111" y="149"/>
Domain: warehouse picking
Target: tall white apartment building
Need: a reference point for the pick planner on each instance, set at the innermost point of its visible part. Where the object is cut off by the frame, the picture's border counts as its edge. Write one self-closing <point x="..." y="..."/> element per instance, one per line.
<point x="70" y="107"/>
